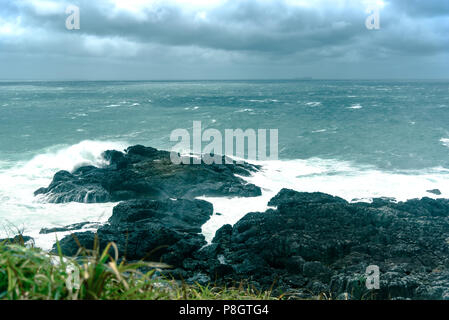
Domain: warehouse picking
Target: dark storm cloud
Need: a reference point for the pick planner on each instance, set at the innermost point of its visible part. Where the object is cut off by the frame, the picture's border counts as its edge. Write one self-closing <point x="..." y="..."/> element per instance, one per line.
<point x="232" y="38"/>
<point x="429" y="8"/>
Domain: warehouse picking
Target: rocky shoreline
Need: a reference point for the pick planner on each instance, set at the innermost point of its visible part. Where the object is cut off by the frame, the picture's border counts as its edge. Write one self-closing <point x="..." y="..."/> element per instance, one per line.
<point x="307" y="245"/>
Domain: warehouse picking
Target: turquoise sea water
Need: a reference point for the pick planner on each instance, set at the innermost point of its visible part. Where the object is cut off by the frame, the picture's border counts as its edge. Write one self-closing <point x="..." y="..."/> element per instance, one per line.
<point x="355" y="139"/>
<point x="393" y="125"/>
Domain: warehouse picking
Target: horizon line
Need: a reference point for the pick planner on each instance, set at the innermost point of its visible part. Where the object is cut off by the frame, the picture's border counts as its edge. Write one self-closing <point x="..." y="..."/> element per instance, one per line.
<point x="226" y="79"/>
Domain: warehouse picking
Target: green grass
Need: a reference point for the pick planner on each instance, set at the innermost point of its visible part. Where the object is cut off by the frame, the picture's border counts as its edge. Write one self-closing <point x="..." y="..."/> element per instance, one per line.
<point x="31" y="274"/>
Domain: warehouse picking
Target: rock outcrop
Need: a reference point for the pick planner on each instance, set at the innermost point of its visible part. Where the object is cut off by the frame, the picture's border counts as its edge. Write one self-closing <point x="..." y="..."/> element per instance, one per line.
<point x="316" y="243"/>
<point x="311" y="243"/>
<point x="168" y="230"/>
<point x="72" y="227"/>
<point x="19" y="239"/>
<point x="146" y="173"/>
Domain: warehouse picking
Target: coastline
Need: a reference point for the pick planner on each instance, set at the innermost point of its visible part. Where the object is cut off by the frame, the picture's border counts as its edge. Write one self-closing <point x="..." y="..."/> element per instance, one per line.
<point x="308" y="243"/>
<point x="22" y="212"/>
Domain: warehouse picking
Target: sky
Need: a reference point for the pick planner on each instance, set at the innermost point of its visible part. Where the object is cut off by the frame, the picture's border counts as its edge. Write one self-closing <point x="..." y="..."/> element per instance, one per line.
<point x="224" y="39"/>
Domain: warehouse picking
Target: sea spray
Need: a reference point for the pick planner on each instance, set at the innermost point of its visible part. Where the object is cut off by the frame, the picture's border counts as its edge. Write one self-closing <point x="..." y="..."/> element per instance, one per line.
<point x="21" y="211"/>
<point x="338" y="178"/>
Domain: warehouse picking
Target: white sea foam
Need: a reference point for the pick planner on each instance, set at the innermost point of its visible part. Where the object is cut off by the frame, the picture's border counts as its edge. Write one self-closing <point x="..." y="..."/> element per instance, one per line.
<point x="338" y="178"/>
<point x="355" y="107"/>
<point x="19" y="209"/>
<point x="244" y="110"/>
<point x="313" y="104"/>
<point x="263" y="100"/>
<point x="445" y="141"/>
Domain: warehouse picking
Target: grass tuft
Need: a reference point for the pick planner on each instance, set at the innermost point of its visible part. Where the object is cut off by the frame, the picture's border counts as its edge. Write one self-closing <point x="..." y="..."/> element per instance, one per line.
<point x="31" y="274"/>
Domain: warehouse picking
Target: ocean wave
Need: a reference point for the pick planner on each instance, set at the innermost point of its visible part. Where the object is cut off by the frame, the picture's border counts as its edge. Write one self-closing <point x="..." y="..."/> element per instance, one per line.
<point x="244" y="110"/>
<point x="68" y="158"/>
<point x="19" y="209"/>
<point x="314" y="104"/>
<point x="355" y="107"/>
<point x="264" y="100"/>
<point x="352" y="182"/>
<point x="445" y="141"/>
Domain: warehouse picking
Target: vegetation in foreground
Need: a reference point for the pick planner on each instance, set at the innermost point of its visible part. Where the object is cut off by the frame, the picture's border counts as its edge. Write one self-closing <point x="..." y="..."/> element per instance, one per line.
<point x="31" y="274"/>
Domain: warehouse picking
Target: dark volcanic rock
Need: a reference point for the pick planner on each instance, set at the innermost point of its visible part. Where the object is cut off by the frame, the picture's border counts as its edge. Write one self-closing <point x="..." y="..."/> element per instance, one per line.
<point x="166" y="230"/>
<point x="318" y="243"/>
<point x="435" y="192"/>
<point x="148" y="173"/>
<point x="310" y="244"/>
<point x="72" y="227"/>
<point x="19" y="239"/>
<point x="71" y="244"/>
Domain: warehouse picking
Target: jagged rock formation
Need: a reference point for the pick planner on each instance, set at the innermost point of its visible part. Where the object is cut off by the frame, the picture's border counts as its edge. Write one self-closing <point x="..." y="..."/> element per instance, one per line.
<point x="147" y="173"/>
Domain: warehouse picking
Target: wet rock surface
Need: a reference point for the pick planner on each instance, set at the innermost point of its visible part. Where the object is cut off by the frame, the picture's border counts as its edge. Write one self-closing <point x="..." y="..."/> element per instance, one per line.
<point x="316" y="243"/>
<point x="146" y="173"/>
<point x="19" y="239"/>
<point x="310" y="244"/>
<point x="435" y="192"/>
<point x="72" y="227"/>
<point x="168" y="230"/>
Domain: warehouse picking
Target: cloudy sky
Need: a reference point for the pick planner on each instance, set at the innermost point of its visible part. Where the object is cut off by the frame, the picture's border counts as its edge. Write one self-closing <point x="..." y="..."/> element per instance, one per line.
<point x="223" y="39"/>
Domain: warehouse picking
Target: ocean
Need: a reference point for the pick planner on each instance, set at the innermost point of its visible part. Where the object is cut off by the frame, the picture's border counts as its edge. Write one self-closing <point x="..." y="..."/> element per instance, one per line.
<point x="353" y="139"/>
